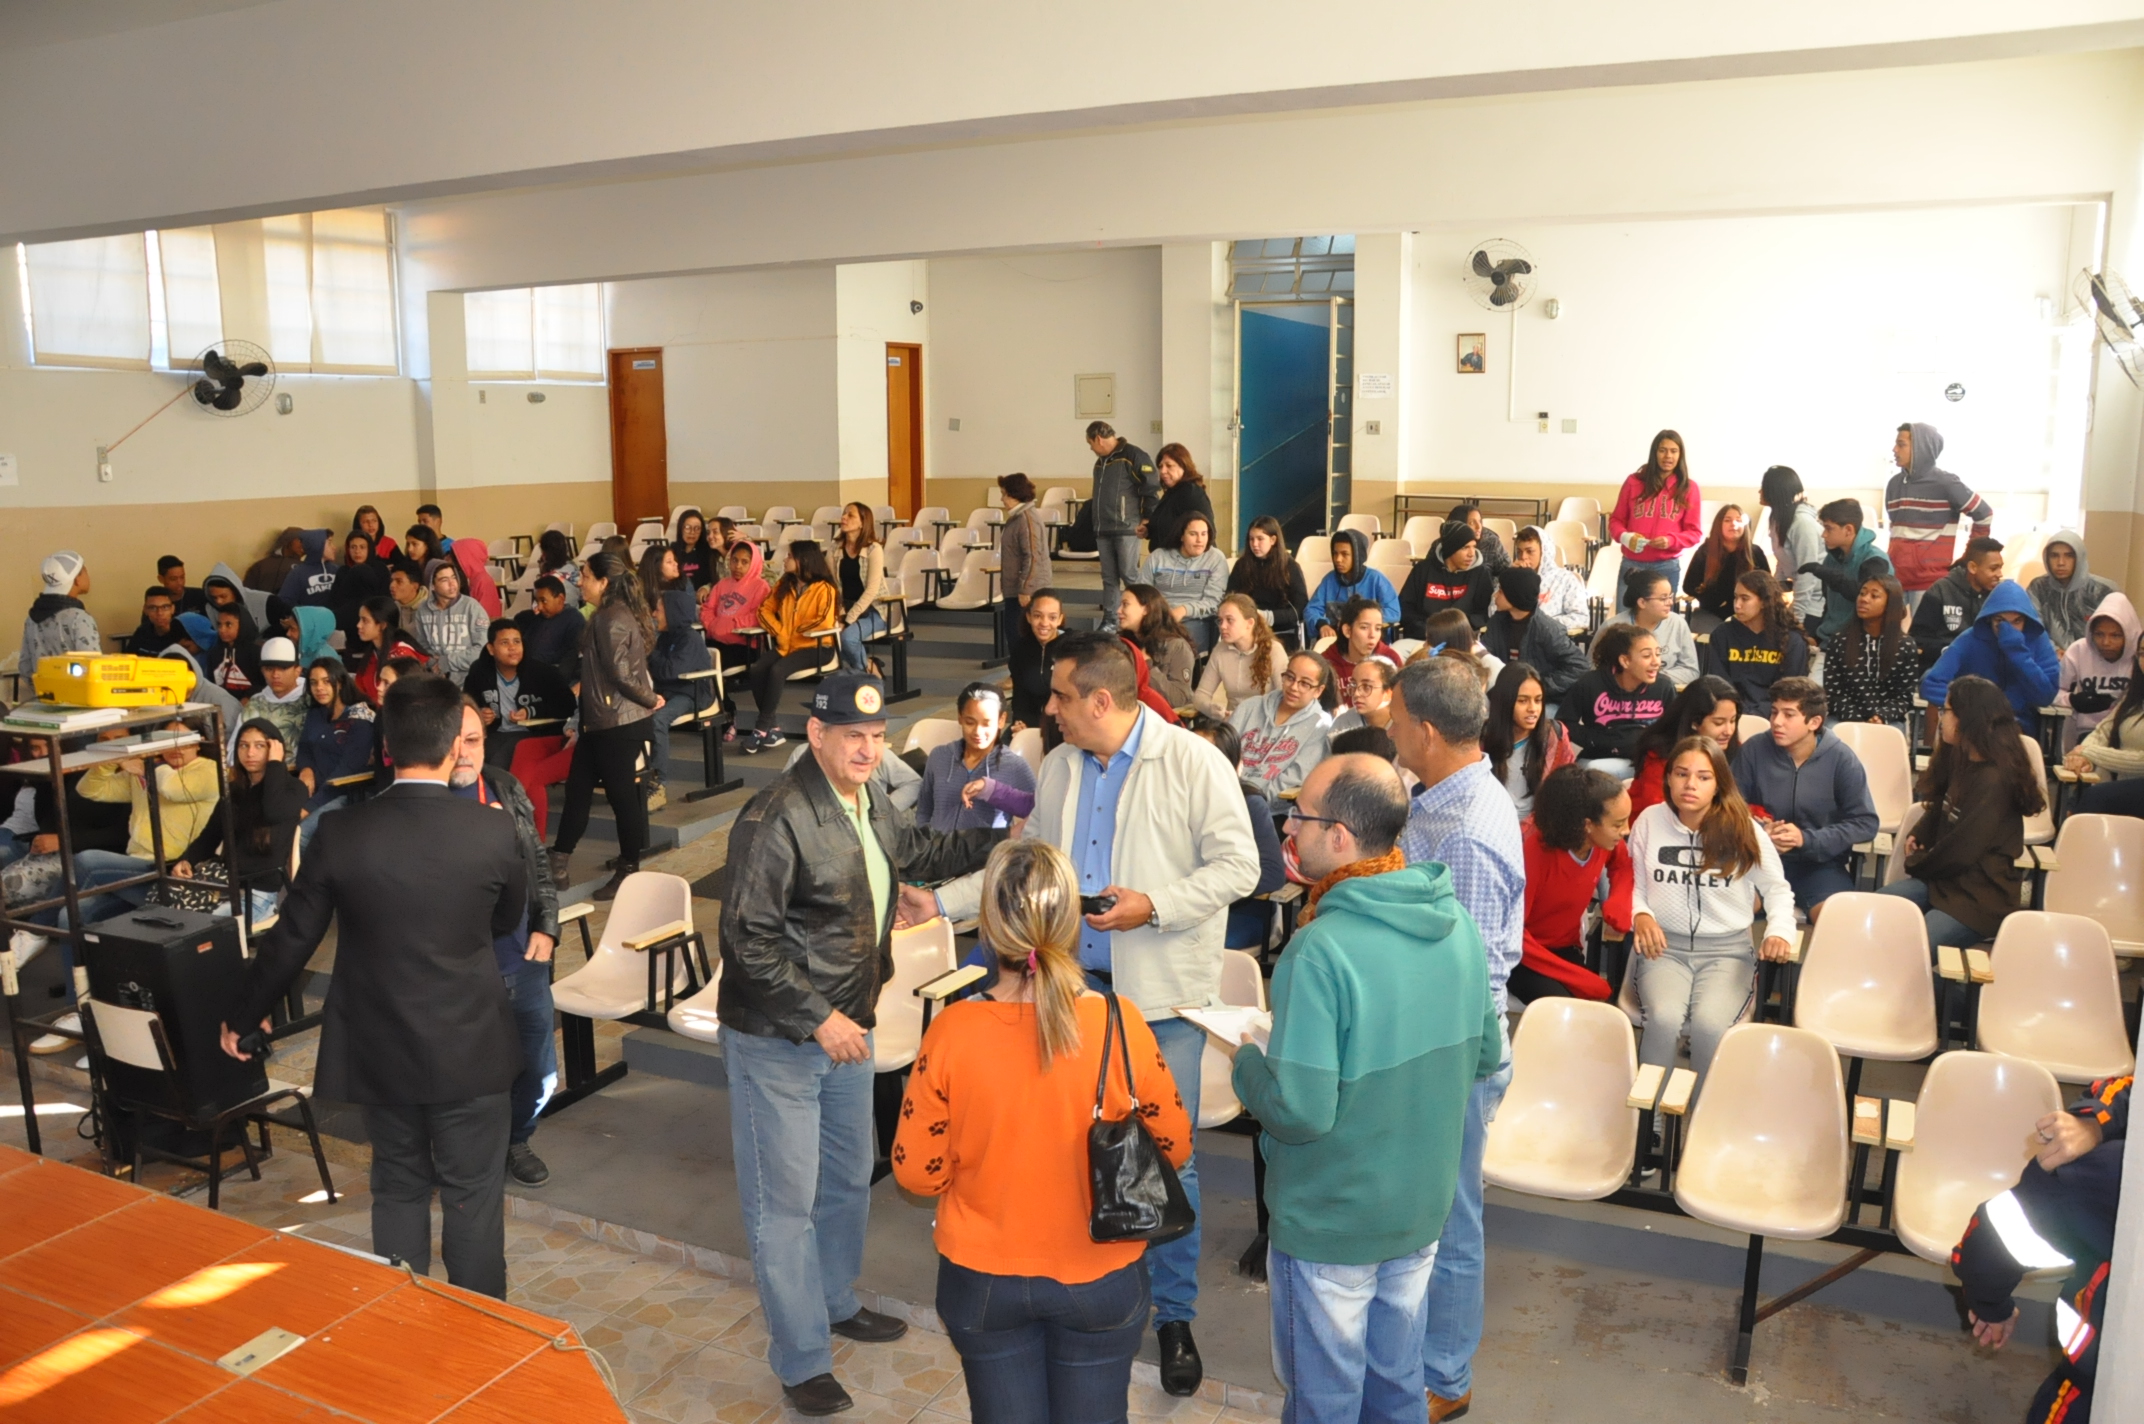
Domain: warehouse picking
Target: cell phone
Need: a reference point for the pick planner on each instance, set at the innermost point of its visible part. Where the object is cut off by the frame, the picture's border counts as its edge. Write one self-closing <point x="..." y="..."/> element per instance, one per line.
<point x="1097" y="904"/>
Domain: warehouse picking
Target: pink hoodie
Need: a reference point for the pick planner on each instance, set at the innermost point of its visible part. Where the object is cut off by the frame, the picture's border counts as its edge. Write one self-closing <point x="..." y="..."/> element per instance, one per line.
<point x="734" y="603"/>
<point x="470" y="556"/>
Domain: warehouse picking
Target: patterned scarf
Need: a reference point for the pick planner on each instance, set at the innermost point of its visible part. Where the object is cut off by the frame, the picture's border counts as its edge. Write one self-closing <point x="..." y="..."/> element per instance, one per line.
<point x="1373" y="865"/>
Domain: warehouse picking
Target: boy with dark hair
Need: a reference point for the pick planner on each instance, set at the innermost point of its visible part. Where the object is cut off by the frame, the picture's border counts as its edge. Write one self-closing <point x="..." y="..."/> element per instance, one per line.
<point x="159" y="627"/>
<point x="1952" y="604"/>
<point x="429" y="516"/>
<point x="1850" y="560"/>
<point x="171" y="573"/>
<point x="1809" y="793"/>
<point x="1453" y="576"/>
<point x="512" y="689"/>
<point x="551" y="628"/>
<point x="1925" y="504"/>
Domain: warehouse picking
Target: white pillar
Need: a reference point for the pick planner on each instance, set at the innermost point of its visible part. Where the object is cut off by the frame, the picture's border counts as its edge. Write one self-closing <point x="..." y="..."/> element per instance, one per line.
<point x="1383" y="307"/>
<point x="1198" y="367"/>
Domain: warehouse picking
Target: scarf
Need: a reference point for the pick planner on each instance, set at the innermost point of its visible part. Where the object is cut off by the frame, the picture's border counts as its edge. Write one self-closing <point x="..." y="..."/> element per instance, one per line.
<point x="1372" y="865"/>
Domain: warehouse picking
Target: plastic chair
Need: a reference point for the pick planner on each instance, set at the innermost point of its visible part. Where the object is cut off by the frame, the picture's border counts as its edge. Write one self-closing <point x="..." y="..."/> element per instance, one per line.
<point x="2039" y="829"/>
<point x="887" y="516"/>
<point x="1969" y="1128"/>
<point x="1570" y="538"/>
<point x="779" y="514"/>
<point x="929" y="515"/>
<point x="2056" y="998"/>
<point x="927" y="734"/>
<point x="827" y="514"/>
<point x="1888" y="763"/>
<point x="1420" y="532"/>
<point x="1580" y="509"/>
<point x="1366" y="523"/>
<point x="1506" y="530"/>
<point x="982" y="518"/>
<point x="1750" y="726"/>
<point x="1394" y="558"/>
<point x="599" y="531"/>
<point x="1027" y="745"/>
<point x="954" y="545"/>
<point x="917" y="582"/>
<point x="977" y="587"/>
<point x="646" y="534"/>
<point x="1314" y="572"/>
<point x="736" y="513"/>
<point x="2100" y="874"/>
<point x="614" y="982"/>
<point x="1866" y="985"/>
<point x="1244" y="986"/>
<point x="695" y="1017"/>
<point x="1058" y="496"/>
<point x="920" y="954"/>
<point x="1605" y="580"/>
<point x="1565" y="1129"/>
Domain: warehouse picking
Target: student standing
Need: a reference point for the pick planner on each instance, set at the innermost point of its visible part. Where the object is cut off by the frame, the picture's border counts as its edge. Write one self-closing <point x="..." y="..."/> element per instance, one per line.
<point x="1045" y="1319"/>
<point x="1760" y="645"/>
<point x="1925" y="504"/>
<point x="617" y="699"/>
<point x="1872" y="670"/>
<point x="1023" y="554"/>
<point x="1797" y="540"/>
<point x="1125" y="491"/>
<point x="1383" y="1023"/>
<point x="1624" y="694"/>
<point x="1809" y="792"/>
<point x="1701" y="867"/>
<point x="1851" y="559"/>
<point x="1655" y="520"/>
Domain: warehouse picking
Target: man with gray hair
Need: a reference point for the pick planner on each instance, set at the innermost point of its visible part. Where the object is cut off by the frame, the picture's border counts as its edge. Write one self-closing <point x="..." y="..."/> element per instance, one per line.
<point x="1382" y="1024"/>
<point x="1463" y="818"/>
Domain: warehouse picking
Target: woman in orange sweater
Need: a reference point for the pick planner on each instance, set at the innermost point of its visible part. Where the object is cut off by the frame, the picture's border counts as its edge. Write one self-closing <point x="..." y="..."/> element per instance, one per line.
<point x="995" y="1122"/>
<point x="802" y="605"/>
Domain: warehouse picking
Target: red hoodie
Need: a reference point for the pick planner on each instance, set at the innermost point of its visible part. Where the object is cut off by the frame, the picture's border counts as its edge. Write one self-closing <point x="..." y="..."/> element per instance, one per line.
<point x="1558" y="891"/>
<point x="734" y="603"/>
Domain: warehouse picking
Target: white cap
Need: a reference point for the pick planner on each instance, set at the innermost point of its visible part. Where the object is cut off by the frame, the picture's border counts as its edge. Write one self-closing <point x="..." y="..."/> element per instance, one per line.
<point x="60" y="571"/>
<point x="279" y="652"/>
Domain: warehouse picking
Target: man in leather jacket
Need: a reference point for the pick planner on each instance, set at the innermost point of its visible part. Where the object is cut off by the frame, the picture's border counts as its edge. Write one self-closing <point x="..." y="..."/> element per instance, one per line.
<point x="818" y="860"/>
<point x="1126" y="489"/>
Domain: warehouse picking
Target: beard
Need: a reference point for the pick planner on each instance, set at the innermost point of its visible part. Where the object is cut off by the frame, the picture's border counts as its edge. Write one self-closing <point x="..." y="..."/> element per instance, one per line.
<point x="464" y="775"/>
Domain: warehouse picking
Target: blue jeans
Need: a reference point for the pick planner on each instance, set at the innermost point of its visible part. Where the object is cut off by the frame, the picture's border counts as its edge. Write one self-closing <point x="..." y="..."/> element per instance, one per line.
<point x="1815" y="881"/>
<point x="680" y="699"/>
<point x="1174" y="1267"/>
<point x="310" y="826"/>
<point x="1451" y="1320"/>
<point x="1204" y="633"/>
<point x="1347" y="1339"/>
<point x="1120" y="555"/>
<point x="261" y="902"/>
<point x="800" y="1130"/>
<point x="1038" y="1351"/>
<point x="852" y="639"/>
<point x="13" y="847"/>
<point x="1942" y="928"/>
<point x="528" y="989"/>
<point x="95" y="869"/>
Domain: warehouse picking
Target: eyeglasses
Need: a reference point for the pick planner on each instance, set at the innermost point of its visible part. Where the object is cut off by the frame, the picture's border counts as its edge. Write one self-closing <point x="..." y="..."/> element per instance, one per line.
<point x="1296" y="815"/>
<point x="1311" y="684"/>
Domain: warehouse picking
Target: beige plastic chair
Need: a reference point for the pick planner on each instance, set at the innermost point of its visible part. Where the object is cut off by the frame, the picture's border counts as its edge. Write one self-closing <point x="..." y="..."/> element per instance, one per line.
<point x="2028" y="571"/>
<point x="826" y="514"/>
<point x="1888" y="764"/>
<point x="2101" y="875"/>
<point x="1565" y="1129"/>
<point x="695" y="1017"/>
<point x="1367" y="523"/>
<point x="975" y="588"/>
<point x="955" y="545"/>
<point x="1895" y="868"/>
<point x="1420" y="532"/>
<point x="1750" y="727"/>
<point x="2040" y="829"/>
<point x="1605" y="581"/>
<point x="1580" y="509"/>
<point x="1242" y="985"/>
<point x="1767" y="1150"/>
<point x="2057" y="997"/>
<point x="778" y="514"/>
<point x="920" y="954"/>
<point x="1866" y="985"/>
<point x="927" y="734"/>
<point x="1506" y="530"/>
<point x="736" y="513"/>
<point x="916" y="576"/>
<point x="614" y="982"/>
<point x="1969" y="1130"/>
<point x="931" y="514"/>
<point x="1570" y="538"/>
<point x="1394" y="558"/>
<point x="1027" y="745"/>
<point x="1314" y="571"/>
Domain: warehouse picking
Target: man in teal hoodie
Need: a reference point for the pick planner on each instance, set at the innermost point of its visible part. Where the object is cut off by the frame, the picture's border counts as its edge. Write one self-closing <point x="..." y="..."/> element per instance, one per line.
<point x="1851" y="559"/>
<point x="1382" y="1023"/>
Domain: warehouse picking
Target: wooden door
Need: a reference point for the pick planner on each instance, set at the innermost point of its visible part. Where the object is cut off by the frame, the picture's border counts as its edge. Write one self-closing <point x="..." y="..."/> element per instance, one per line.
<point x="639" y="445"/>
<point x="904" y="427"/>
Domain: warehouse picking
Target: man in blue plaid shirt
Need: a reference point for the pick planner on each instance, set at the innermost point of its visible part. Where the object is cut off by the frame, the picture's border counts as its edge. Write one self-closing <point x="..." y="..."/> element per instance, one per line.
<point x="1462" y="817"/>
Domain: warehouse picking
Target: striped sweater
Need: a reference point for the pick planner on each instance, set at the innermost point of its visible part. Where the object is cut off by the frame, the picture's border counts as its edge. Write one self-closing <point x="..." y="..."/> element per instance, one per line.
<point x="1925" y="504"/>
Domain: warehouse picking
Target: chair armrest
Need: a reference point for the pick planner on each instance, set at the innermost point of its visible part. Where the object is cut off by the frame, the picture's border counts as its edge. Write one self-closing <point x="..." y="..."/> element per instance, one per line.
<point x="946" y="985"/>
<point x="1950" y="963"/>
<point x="2055" y="711"/>
<point x="1868" y="1121"/>
<point x="1287" y="895"/>
<point x="1898" y="1124"/>
<point x="1979" y="966"/>
<point x="676" y="929"/>
<point x="703" y="673"/>
<point x="1676" y="1098"/>
<point x="1645" y="1088"/>
<point x="355" y="778"/>
<point x="578" y="910"/>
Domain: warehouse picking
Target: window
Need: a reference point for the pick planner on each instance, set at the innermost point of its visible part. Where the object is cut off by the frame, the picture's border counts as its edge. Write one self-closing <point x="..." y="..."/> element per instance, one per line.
<point x="193" y="304"/>
<point x="287" y="258"/>
<point x="89" y="301"/>
<point x="353" y="291"/>
<point x="549" y="333"/>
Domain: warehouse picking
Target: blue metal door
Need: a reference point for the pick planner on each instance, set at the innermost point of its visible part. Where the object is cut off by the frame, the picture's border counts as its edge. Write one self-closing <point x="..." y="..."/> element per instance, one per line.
<point x="1284" y="386"/>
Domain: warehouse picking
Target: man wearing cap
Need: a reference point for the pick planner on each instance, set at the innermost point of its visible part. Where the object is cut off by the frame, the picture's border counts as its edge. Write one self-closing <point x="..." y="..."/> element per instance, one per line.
<point x="817" y="863"/>
<point x="283" y="700"/>
<point x="1515" y="635"/>
<point x="1453" y="576"/>
<point x="58" y="623"/>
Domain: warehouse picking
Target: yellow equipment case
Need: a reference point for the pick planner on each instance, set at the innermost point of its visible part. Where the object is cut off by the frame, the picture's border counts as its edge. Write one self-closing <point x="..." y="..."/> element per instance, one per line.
<point x="112" y="680"/>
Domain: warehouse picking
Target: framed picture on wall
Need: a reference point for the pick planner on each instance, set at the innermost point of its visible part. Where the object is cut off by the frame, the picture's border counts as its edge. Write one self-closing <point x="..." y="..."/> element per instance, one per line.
<point x="1473" y="353"/>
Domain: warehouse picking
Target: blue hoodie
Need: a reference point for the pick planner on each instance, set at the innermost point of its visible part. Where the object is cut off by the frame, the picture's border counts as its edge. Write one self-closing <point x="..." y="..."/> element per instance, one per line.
<point x="1365" y="582"/>
<point x="2023" y="664"/>
<point x="312" y="579"/>
<point x="1843" y="572"/>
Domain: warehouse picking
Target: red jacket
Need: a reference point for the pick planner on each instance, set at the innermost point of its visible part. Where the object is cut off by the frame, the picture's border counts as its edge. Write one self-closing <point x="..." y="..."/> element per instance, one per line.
<point x="1558" y="891"/>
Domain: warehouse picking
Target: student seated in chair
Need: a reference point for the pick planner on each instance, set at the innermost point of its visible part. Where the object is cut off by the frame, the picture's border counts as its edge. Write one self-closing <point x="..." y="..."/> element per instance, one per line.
<point x="2007" y="646"/>
<point x="551" y="628"/>
<point x="1574" y="845"/>
<point x="512" y="689"/>
<point x="802" y="604"/>
<point x="1809" y="793"/>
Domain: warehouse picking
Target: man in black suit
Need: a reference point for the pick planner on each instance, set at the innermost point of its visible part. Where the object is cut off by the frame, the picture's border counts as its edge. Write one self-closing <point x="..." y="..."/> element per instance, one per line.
<point x="417" y="1029"/>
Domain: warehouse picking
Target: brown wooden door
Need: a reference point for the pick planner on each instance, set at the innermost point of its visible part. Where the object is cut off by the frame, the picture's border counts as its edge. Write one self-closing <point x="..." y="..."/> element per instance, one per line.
<point x="904" y="427"/>
<point x="639" y="445"/>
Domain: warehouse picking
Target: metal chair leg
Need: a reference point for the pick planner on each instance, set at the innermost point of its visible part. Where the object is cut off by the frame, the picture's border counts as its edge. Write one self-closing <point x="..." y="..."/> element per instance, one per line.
<point x="320" y="1156"/>
<point x="1746" y="1324"/>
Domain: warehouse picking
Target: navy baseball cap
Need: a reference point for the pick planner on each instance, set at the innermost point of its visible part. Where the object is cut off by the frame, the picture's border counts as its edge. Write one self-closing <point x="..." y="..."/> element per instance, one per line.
<point x="849" y="697"/>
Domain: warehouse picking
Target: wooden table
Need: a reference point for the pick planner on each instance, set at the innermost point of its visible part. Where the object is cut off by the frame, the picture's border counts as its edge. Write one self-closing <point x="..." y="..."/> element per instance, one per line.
<point x="116" y="1303"/>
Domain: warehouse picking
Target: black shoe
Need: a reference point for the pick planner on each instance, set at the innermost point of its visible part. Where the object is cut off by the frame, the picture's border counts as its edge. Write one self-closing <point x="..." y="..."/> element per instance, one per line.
<point x="1253" y="1261"/>
<point x="821" y="1394"/>
<point x="870" y="1327"/>
<point x="1181" y="1368"/>
<point x="560" y="860"/>
<point x="524" y="1166"/>
<point x="609" y="890"/>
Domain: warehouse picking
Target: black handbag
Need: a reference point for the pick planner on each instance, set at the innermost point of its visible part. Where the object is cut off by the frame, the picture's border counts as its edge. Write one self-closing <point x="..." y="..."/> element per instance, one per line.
<point x="1137" y="1196"/>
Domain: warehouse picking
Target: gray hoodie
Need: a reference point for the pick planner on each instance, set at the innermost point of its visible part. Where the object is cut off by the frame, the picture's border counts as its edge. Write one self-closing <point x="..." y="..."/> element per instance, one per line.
<point x="56" y="624"/>
<point x="1805" y="545"/>
<point x="1278" y="755"/>
<point x="2066" y="607"/>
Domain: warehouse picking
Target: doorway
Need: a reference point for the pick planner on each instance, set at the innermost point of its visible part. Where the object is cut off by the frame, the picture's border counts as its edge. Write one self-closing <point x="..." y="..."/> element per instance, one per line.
<point x="1285" y="384"/>
<point x="904" y="427"/>
<point x="639" y="443"/>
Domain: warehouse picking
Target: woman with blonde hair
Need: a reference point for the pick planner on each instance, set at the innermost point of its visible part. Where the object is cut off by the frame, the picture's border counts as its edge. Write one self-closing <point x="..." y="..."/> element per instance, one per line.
<point x="1046" y="1319"/>
<point x="1246" y="658"/>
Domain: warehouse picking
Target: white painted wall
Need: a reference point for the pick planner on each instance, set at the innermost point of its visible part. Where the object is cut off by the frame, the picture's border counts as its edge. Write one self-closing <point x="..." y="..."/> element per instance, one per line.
<point x="871" y="308"/>
<point x="1007" y="336"/>
<point x="1797" y="340"/>
<point x="488" y="433"/>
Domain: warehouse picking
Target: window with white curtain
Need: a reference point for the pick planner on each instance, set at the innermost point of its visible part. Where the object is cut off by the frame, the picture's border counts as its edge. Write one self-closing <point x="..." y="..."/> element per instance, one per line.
<point x="193" y="303"/>
<point x="553" y="333"/>
<point x="353" y="291"/>
<point x="89" y="301"/>
<point x="287" y="258"/>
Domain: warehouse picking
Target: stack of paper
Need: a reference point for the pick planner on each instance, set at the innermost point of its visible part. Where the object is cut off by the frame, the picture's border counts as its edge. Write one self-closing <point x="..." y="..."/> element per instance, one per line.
<point x="52" y="717"/>
<point x="1233" y="1025"/>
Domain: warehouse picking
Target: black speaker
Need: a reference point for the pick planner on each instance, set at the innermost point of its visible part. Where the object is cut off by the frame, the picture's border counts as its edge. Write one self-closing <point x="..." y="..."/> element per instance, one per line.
<point x="184" y="967"/>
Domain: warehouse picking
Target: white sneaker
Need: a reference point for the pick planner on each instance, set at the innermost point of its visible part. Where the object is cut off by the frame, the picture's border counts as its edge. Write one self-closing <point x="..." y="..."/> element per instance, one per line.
<point x="27" y="946"/>
<point x="56" y="1043"/>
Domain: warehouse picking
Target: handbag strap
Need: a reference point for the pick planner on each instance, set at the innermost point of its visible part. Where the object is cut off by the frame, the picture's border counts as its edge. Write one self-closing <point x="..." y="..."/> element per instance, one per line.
<point x="1113" y="1027"/>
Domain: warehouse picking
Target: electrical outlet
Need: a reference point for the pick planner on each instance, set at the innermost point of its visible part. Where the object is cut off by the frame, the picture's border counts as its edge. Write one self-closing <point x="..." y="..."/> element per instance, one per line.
<point x="952" y="422"/>
<point x="483" y="397"/>
<point x="1373" y="427"/>
<point x="1541" y="422"/>
<point x="1154" y="426"/>
<point x="104" y="466"/>
<point x="1570" y="426"/>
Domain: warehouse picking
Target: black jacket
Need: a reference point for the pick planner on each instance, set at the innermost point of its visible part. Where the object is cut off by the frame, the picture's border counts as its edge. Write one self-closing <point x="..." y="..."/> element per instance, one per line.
<point x="1030" y="669"/>
<point x="1431" y="588"/>
<point x="1949" y="607"/>
<point x="1125" y="489"/>
<point x="507" y="790"/>
<point x="1287" y="609"/>
<point x="1540" y="644"/>
<point x="544" y="691"/>
<point x="798" y="941"/>
<point x="419" y="882"/>
<point x="1718" y="596"/>
<point x="1752" y="664"/>
<point x="275" y="807"/>
<point x="1165" y="526"/>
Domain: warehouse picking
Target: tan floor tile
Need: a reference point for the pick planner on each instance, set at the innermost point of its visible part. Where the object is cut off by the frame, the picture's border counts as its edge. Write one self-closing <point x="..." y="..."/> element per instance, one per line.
<point x="693" y="1304"/>
<point x="713" y="1387"/>
<point x="952" y="1401"/>
<point x="638" y="1355"/>
<point x="1148" y="1402"/>
<point x="910" y="1371"/>
<point x="600" y="1278"/>
<point x="749" y="1337"/>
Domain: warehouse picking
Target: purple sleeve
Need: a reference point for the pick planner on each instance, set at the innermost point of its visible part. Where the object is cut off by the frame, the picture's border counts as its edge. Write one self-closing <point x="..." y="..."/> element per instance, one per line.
<point x="1009" y="799"/>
